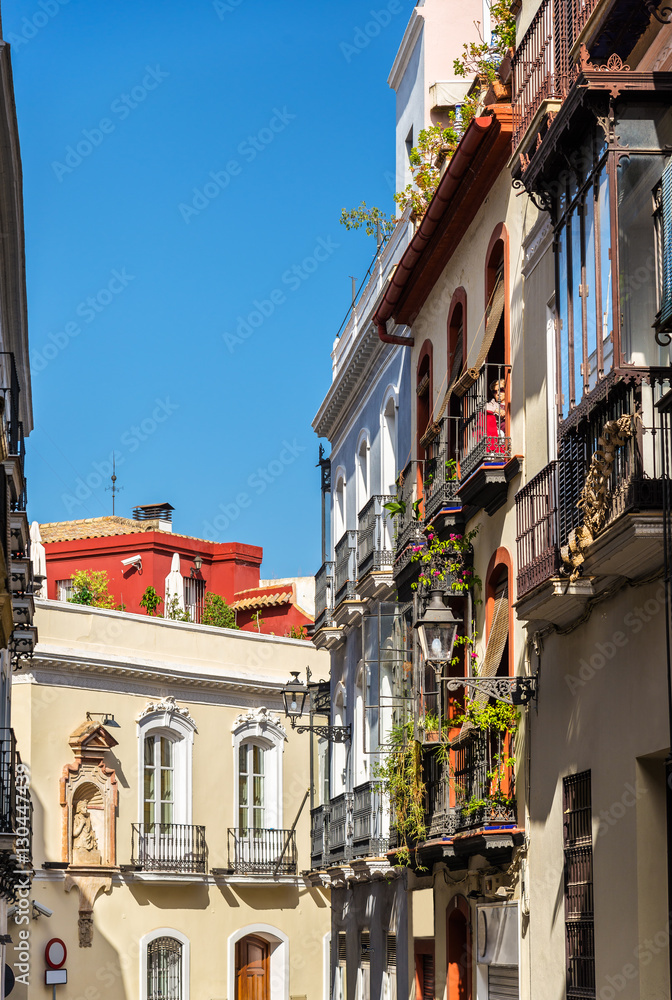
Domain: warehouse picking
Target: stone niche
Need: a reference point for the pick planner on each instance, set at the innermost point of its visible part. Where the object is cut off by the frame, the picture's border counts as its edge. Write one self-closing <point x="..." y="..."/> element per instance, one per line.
<point x="89" y="799"/>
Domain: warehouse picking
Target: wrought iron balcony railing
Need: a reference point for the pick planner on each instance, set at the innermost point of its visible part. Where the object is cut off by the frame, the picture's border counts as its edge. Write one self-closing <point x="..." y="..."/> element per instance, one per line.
<point x="169" y="847"/>
<point x="262" y="852"/>
<point x="10" y="390"/>
<point x="324" y="594"/>
<point x="369" y="836"/>
<point x="484" y="436"/>
<point x="537" y="529"/>
<point x="319" y="836"/>
<point x="409" y="494"/>
<point x="8" y="763"/>
<point x="461" y="797"/>
<point x="546" y="507"/>
<point x="441" y="473"/>
<point x="375" y="542"/>
<point x="340" y="823"/>
<point x="346" y="567"/>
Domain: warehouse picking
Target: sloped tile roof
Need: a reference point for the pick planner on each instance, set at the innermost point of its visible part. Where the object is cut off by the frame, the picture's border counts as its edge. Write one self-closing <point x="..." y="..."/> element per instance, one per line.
<point x="94" y="527"/>
<point x="262" y="600"/>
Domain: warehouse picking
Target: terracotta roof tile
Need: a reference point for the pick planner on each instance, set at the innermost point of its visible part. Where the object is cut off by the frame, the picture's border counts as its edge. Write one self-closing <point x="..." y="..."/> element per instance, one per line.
<point x="263" y="601"/>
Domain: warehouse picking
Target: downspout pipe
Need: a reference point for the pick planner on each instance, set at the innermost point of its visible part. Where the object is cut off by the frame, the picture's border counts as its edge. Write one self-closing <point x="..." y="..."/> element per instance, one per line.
<point x="393" y="338"/>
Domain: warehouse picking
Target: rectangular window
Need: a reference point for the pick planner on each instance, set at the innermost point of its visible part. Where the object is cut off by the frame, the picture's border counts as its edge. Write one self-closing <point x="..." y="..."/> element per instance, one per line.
<point x="251" y="798"/>
<point x="194" y="598"/>
<point x="63" y="589"/>
<point x="158" y="780"/>
<point x="391" y="967"/>
<point x="578" y="855"/>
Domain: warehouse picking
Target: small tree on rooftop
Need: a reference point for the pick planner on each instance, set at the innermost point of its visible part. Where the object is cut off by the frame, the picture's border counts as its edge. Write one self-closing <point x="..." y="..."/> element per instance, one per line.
<point x="217" y="612"/>
<point x="90" y="587"/>
<point x="150" y="600"/>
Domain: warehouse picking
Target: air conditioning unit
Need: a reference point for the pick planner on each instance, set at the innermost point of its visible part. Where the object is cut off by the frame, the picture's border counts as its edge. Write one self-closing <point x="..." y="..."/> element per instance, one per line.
<point x="498" y="933"/>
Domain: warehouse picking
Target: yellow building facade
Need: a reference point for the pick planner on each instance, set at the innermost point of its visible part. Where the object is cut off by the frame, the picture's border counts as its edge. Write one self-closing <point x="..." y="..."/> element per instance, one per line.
<point x="170" y="821"/>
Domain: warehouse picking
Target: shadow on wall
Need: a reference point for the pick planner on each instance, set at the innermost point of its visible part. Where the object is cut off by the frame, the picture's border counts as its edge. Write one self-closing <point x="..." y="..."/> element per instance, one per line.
<point x="169" y="897"/>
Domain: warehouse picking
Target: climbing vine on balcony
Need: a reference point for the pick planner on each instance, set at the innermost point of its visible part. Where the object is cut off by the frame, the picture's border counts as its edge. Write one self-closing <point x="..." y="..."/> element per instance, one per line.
<point x="400" y="775"/>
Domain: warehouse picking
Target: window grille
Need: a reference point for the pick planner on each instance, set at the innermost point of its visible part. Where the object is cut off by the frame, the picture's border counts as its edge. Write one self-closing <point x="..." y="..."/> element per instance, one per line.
<point x="578" y="851"/>
<point x="194" y="598"/>
<point x="164" y="969"/>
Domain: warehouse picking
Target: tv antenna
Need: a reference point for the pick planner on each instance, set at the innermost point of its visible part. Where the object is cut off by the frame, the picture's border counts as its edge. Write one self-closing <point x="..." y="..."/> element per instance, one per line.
<point x="114" y="488"/>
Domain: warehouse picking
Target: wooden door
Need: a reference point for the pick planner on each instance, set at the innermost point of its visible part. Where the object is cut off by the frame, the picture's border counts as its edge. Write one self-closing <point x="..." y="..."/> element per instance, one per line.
<point x="252" y="969"/>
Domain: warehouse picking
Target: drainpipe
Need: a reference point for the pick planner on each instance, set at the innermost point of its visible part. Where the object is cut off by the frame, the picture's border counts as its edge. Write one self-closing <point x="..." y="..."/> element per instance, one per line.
<point x="392" y="338"/>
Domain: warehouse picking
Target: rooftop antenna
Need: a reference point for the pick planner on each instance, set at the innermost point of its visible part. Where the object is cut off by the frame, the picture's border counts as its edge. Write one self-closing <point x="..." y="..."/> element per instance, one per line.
<point x="114" y="488"/>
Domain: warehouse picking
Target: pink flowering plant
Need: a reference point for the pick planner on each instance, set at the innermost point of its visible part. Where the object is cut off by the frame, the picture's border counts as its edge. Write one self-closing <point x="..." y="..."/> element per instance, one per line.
<point x="442" y="560"/>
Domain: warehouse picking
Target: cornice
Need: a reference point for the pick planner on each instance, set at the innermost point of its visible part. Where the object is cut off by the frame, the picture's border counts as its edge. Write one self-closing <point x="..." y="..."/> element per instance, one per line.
<point x="73" y="661"/>
<point x="364" y="351"/>
<point x="405" y="50"/>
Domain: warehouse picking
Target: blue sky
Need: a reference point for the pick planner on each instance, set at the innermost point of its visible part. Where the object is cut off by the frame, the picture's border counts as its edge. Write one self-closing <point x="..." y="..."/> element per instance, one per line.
<point x="185" y="164"/>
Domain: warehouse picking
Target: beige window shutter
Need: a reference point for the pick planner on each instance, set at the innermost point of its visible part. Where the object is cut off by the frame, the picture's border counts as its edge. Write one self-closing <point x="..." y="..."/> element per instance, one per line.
<point x="495" y="314"/>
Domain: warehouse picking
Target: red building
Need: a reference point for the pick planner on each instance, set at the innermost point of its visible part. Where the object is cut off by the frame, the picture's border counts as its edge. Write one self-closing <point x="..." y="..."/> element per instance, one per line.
<point x="138" y="553"/>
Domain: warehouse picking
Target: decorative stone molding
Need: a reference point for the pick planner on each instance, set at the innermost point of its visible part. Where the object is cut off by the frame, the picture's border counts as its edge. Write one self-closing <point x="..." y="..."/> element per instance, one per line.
<point x="258" y="722"/>
<point x="168" y="707"/>
<point x="537" y="242"/>
<point x="88" y="797"/>
<point x="89" y="886"/>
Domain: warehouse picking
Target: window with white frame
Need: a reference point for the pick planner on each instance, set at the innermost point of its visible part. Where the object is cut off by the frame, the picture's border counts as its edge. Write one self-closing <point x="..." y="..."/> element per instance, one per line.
<point x="363" y="486"/>
<point x="164" y="965"/>
<point x="64" y="589"/>
<point x="165" y="747"/>
<point x="389" y="446"/>
<point x="339" y="507"/>
<point x="258" y="741"/>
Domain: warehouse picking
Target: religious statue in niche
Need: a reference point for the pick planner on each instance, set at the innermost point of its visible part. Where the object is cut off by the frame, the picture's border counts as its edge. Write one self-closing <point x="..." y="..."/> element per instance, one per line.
<point x="84" y="840"/>
<point x="89" y="800"/>
<point x="89" y="803"/>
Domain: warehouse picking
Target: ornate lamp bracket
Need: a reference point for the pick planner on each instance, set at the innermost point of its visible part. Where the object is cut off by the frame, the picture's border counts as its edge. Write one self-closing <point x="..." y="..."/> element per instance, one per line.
<point x="664" y="16"/>
<point x="335" y="734"/>
<point x="511" y="690"/>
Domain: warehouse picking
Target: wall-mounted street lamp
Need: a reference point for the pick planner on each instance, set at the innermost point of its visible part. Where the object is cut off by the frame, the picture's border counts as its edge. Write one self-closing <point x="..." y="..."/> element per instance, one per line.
<point x="196" y="568"/>
<point x="294" y="696"/>
<point x="436" y="631"/>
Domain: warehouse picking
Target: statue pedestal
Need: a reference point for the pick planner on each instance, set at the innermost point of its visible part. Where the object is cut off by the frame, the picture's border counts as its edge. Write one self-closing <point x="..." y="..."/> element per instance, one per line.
<point x="87" y="859"/>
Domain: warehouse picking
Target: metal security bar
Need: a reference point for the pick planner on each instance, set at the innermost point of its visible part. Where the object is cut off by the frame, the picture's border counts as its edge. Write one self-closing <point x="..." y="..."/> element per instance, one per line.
<point x="367" y="820"/>
<point x="375" y="545"/>
<point x="578" y="851"/>
<point x="262" y="852"/>
<point x="339" y="824"/>
<point x="537" y="529"/>
<point x="441" y="474"/>
<point x="8" y="762"/>
<point x="172" y="847"/>
<point x="164" y="969"/>
<point x="324" y="594"/>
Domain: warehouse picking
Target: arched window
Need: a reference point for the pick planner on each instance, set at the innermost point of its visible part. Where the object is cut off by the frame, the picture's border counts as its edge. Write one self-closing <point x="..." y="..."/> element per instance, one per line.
<point x="497" y="329"/>
<point x="388" y="451"/>
<point x="457" y="354"/>
<point x="361" y="735"/>
<point x="258" y="741"/>
<point x="363" y="485"/>
<point x="339" y="505"/>
<point x="165" y="746"/>
<point x="424" y="394"/>
<point x="458" y="949"/>
<point x="338" y="752"/>
<point x="164" y="965"/>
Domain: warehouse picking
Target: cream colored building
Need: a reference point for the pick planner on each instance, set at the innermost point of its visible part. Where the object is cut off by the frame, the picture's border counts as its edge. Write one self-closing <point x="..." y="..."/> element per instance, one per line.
<point x="170" y="816"/>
